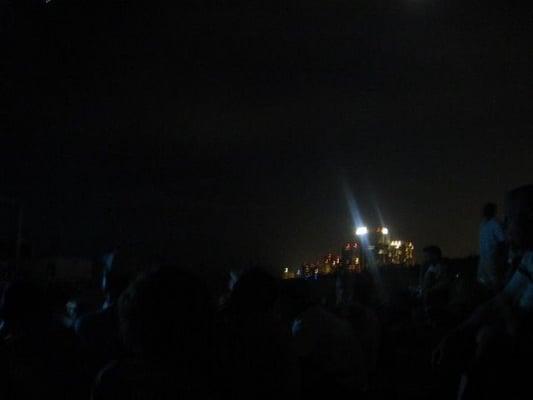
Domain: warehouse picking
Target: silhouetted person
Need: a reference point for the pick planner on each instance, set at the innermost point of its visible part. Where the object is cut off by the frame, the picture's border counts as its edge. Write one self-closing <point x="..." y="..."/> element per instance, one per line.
<point x="166" y="319"/>
<point x="501" y="329"/>
<point x="231" y="280"/>
<point x="99" y="330"/>
<point x="254" y="348"/>
<point x="435" y="281"/>
<point x="492" y="261"/>
<point x="39" y="358"/>
<point x="344" y="281"/>
<point x="364" y="319"/>
<point x="329" y="353"/>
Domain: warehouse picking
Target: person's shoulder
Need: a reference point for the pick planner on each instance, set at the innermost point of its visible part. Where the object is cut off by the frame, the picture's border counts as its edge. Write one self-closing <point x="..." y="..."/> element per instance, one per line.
<point x="489" y="223"/>
<point x="96" y="316"/>
<point x="84" y="320"/>
<point x="89" y="322"/>
<point x="494" y="223"/>
<point x="527" y="261"/>
<point x="136" y="378"/>
<point x="439" y="268"/>
<point x="105" y="380"/>
<point x="119" y="371"/>
<point x="126" y="367"/>
<point x="432" y="268"/>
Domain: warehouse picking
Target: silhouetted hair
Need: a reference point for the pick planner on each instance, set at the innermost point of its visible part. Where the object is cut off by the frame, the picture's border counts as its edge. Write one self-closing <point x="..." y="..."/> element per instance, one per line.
<point x="522" y="195"/>
<point x="117" y="271"/>
<point x="433" y="250"/>
<point x="519" y="203"/>
<point x="21" y="301"/>
<point x="166" y="312"/>
<point x="364" y="288"/>
<point x="298" y="294"/>
<point x="256" y="291"/>
<point x="489" y="210"/>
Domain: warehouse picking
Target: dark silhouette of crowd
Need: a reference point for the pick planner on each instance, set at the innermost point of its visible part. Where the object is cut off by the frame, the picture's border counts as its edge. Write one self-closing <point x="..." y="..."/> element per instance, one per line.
<point x="162" y="332"/>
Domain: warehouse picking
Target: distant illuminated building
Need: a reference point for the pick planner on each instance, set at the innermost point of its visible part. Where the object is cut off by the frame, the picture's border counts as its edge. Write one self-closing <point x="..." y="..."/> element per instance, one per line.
<point x="372" y="247"/>
<point x="375" y="245"/>
<point x="288" y="274"/>
<point x="351" y="257"/>
<point x="361" y="231"/>
<point x="379" y="249"/>
<point x="329" y="264"/>
<point x="305" y="271"/>
<point x="374" y="236"/>
<point x="402" y="253"/>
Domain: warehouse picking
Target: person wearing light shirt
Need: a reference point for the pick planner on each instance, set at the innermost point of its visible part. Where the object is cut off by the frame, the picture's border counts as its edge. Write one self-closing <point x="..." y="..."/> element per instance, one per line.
<point x="500" y="329"/>
<point x="491" y="272"/>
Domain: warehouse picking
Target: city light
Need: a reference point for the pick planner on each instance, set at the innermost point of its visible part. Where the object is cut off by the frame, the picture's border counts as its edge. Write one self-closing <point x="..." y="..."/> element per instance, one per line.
<point x="374" y="247"/>
<point x="361" y="231"/>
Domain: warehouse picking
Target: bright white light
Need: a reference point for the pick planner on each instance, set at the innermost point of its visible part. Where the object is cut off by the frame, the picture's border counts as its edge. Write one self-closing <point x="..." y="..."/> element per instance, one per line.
<point x="361" y="231"/>
<point x="385" y="231"/>
<point x="286" y="270"/>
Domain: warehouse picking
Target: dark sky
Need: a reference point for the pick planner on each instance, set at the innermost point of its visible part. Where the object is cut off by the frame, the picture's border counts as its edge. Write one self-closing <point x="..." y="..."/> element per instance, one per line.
<point x="229" y="131"/>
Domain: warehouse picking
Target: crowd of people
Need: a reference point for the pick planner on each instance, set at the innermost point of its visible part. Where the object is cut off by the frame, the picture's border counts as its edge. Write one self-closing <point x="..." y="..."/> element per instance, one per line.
<point x="164" y="333"/>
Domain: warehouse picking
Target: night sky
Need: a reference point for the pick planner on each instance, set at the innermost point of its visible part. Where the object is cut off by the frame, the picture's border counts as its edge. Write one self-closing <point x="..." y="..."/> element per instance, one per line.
<point x="234" y="131"/>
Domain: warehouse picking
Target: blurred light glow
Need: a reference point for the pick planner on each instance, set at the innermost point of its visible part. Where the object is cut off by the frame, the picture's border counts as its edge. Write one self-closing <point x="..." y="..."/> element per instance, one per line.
<point x="361" y="231"/>
<point x="385" y="231"/>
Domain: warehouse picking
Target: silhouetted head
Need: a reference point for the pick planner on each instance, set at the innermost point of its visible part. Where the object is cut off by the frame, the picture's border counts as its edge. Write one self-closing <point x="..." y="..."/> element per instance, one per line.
<point x="364" y="288"/>
<point x="519" y="218"/>
<point x="114" y="278"/>
<point x="296" y="296"/>
<point x="233" y="278"/>
<point x="167" y="313"/>
<point x="255" y="292"/>
<point x="23" y="304"/>
<point x="489" y="210"/>
<point x="432" y="254"/>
